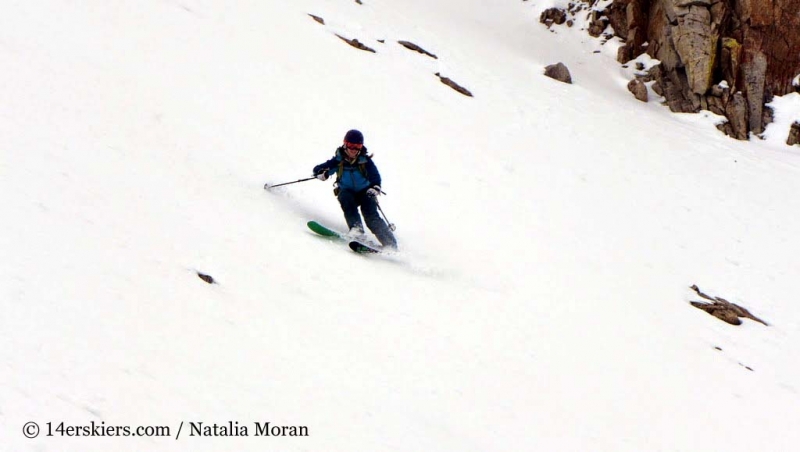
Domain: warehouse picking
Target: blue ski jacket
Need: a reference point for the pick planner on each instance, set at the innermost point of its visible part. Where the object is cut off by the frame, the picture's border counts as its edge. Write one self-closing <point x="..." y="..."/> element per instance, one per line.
<point x="356" y="176"/>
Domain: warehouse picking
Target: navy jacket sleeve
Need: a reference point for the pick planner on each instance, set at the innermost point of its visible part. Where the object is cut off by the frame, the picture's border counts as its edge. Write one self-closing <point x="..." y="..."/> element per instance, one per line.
<point x="332" y="163"/>
<point x="372" y="173"/>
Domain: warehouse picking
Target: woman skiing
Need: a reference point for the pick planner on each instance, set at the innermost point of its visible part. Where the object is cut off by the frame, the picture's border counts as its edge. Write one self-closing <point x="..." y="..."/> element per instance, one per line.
<point x="358" y="183"/>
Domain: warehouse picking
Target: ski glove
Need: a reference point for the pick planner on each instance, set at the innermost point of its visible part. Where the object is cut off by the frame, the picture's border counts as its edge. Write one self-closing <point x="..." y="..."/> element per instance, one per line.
<point x="374" y="191"/>
<point x="322" y="175"/>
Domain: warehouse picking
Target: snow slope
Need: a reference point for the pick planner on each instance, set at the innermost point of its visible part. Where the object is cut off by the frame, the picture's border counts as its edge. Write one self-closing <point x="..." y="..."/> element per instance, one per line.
<point x="549" y="236"/>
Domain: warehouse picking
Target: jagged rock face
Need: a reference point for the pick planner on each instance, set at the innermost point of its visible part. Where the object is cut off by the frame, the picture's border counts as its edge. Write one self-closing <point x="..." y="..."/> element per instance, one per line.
<point x="752" y="45"/>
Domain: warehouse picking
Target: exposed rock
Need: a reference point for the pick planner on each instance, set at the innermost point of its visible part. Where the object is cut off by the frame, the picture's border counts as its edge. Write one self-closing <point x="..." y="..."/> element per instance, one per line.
<point x="730" y="60"/>
<point x="597" y="24"/>
<point x="206" y="278"/>
<point x="416" y="48"/>
<point x="675" y="89"/>
<point x="696" y="43"/>
<point x="736" y="112"/>
<point x="658" y="89"/>
<point x="558" y="72"/>
<point x="794" y="134"/>
<point x="639" y="89"/>
<point x="755" y="70"/>
<point x="724" y="309"/>
<point x="355" y="43"/>
<point x="318" y="19"/>
<point x="767" y="114"/>
<point x="624" y="53"/>
<point x="454" y="85"/>
<point x="552" y="16"/>
<point x="752" y="45"/>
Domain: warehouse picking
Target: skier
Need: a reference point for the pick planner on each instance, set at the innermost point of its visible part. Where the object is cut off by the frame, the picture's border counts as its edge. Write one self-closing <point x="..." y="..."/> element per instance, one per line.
<point x="358" y="183"/>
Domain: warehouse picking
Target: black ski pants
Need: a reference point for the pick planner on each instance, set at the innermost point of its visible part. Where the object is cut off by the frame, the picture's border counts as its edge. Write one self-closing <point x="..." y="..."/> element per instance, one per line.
<point x="351" y="201"/>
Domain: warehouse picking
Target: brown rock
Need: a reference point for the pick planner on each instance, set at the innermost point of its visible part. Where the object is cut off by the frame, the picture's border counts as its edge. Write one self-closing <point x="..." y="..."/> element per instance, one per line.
<point x="696" y="43"/>
<point x="597" y="24"/>
<point x="454" y="85"/>
<point x="552" y="16"/>
<point x="355" y="43"/>
<point x="411" y="46"/>
<point x="318" y="19"/>
<point x="624" y="53"/>
<point x="730" y="60"/>
<point x="639" y="89"/>
<point x="754" y="69"/>
<point x="658" y="89"/>
<point x="558" y="72"/>
<point x="724" y="309"/>
<point x="716" y="105"/>
<point x="794" y="134"/>
<point x="736" y="112"/>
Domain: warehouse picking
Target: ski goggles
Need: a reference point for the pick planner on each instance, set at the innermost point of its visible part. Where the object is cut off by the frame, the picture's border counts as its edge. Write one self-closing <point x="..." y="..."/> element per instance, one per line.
<point x="353" y="146"/>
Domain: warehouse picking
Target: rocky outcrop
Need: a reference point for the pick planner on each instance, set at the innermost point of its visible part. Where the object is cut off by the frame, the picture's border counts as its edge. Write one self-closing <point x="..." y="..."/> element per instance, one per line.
<point x="727" y="56"/>
<point x="558" y="72"/>
<point x="744" y="43"/>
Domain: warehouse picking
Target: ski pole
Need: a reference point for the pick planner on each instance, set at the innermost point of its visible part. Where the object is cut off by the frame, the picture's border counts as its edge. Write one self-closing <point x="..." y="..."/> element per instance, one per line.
<point x="267" y="186"/>
<point x="391" y="225"/>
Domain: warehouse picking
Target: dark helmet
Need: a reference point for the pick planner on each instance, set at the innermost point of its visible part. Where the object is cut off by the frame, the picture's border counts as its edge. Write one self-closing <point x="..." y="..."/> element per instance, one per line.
<point x="354" y="137"/>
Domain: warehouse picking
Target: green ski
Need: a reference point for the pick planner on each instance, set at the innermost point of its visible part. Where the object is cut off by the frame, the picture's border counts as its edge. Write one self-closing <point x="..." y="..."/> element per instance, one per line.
<point x="324" y="231"/>
<point x="366" y="247"/>
<point x="360" y="248"/>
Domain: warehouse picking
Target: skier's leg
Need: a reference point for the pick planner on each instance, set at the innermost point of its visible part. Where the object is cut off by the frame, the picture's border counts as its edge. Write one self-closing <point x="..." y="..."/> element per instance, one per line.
<point x="369" y="207"/>
<point x="347" y="199"/>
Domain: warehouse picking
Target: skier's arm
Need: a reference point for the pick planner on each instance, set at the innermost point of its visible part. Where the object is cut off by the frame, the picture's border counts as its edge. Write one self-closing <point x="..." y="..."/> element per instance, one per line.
<point x="325" y="166"/>
<point x="372" y="174"/>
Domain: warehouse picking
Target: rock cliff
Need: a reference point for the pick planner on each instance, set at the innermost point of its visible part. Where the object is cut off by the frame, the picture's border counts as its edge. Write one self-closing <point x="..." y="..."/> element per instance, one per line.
<point x="726" y="56"/>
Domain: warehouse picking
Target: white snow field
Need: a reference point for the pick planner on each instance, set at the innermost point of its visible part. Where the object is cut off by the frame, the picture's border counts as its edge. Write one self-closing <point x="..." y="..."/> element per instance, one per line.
<point x="549" y="234"/>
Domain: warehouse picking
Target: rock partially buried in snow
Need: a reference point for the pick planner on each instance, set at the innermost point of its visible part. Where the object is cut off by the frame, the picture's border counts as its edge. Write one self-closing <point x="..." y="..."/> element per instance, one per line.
<point x="552" y="16"/>
<point x="723" y="309"/>
<point x="558" y="72"/>
<point x="206" y="278"/>
<point x="794" y="134"/>
<point x="454" y="85"/>
<point x="411" y="46"/>
<point x="357" y="44"/>
<point x="639" y="89"/>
